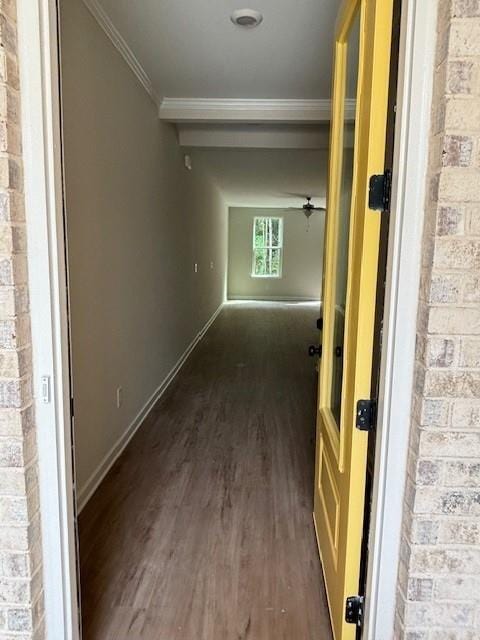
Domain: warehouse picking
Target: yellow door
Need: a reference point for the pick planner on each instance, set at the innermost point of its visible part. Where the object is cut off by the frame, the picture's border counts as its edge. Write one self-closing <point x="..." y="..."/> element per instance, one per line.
<point x="359" y="114"/>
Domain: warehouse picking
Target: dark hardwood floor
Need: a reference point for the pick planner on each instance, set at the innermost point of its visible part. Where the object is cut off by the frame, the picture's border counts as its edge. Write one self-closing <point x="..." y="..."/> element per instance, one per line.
<point x="203" y="528"/>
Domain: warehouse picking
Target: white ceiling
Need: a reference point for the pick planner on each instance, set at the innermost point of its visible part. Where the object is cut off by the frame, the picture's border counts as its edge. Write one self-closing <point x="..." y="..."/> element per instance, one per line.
<point x="265" y="177"/>
<point x="189" y="48"/>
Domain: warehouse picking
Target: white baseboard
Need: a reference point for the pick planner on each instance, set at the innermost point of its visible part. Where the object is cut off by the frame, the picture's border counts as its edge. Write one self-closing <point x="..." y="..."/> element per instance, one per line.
<point x="85" y="493"/>
<point x="275" y="298"/>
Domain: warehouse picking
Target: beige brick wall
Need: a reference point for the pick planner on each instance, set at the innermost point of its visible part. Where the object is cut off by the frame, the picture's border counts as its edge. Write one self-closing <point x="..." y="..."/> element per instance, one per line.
<point x="439" y="575"/>
<point x="21" y="598"/>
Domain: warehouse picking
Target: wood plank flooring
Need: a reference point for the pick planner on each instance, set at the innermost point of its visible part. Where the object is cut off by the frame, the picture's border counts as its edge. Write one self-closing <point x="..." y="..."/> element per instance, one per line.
<point x="203" y="528"/>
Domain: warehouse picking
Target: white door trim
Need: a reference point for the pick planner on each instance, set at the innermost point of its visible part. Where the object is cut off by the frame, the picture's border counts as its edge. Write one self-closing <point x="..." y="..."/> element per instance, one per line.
<point x="416" y="56"/>
<point x="40" y="78"/>
<point x="41" y="137"/>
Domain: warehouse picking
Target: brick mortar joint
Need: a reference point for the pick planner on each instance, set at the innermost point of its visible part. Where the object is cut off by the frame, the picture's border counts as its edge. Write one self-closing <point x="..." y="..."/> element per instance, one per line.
<point x="21" y="580"/>
<point x="18" y="410"/>
<point x="24" y="378"/>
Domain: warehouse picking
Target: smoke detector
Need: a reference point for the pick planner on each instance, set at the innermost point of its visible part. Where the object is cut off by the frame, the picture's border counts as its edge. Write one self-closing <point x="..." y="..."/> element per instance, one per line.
<point x="247" y="18"/>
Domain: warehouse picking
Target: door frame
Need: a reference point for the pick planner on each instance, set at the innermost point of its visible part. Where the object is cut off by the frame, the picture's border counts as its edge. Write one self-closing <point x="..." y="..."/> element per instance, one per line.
<point x="47" y="280"/>
<point x="42" y="157"/>
<point x="410" y="161"/>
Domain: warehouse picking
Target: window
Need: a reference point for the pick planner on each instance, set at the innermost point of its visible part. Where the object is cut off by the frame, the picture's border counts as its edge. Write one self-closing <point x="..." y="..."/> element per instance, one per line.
<point x="267" y="247"/>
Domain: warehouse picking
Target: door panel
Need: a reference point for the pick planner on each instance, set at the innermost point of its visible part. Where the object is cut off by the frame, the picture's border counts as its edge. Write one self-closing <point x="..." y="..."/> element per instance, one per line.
<point x="361" y="80"/>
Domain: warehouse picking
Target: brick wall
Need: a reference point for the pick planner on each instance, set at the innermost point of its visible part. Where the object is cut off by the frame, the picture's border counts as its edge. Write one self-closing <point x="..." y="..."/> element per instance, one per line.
<point x="21" y="601"/>
<point x="439" y="575"/>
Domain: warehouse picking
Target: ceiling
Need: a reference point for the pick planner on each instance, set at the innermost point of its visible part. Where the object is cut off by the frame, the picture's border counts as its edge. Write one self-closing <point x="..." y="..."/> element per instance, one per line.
<point x="265" y="177"/>
<point x="191" y="48"/>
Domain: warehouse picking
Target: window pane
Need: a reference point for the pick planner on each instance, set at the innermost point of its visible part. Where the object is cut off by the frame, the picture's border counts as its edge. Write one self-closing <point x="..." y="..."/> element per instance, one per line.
<point x="275" y="232"/>
<point x="260" y="262"/>
<point x="267" y="262"/>
<point x="259" y="232"/>
<point x="343" y="225"/>
<point x="267" y="247"/>
<point x="275" y="262"/>
<point x="267" y="232"/>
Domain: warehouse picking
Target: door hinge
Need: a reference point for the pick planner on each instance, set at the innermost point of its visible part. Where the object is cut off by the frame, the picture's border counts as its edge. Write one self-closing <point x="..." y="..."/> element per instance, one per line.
<point x="366" y="415"/>
<point x="379" y="191"/>
<point x="354" y="607"/>
<point x="72" y="408"/>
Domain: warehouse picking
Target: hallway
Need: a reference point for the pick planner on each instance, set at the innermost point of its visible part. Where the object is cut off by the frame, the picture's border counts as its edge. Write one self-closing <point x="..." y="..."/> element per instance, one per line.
<point x="203" y="528"/>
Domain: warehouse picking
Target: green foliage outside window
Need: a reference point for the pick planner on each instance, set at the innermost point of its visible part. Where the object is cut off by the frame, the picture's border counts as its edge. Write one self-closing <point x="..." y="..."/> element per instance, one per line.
<point x="267" y="247"/>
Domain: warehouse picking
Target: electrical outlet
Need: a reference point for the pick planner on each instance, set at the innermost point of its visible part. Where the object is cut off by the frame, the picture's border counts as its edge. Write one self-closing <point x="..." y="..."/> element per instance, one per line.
<point x="195" y="267"/>
<point x="211" y="264"/>
<point x="119" y="397"/>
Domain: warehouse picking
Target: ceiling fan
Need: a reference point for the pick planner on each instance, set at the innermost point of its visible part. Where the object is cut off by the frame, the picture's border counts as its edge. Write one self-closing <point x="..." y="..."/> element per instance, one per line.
<point x="308" y="208"/>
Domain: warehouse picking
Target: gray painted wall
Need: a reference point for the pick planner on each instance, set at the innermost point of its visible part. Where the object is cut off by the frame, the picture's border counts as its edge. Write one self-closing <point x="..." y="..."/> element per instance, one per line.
<point x="136" y="302"/>
<point x="302" y="257"/>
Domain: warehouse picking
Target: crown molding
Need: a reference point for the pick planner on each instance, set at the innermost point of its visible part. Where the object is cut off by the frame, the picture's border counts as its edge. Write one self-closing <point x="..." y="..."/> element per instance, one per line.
<point x="220" y="110"/>
<point x="122" y="47"/>
<point x="226" y="110"/>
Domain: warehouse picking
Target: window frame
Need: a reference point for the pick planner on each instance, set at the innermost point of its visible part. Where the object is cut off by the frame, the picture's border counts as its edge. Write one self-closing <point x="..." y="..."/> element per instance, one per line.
<point x="279" y="247"/>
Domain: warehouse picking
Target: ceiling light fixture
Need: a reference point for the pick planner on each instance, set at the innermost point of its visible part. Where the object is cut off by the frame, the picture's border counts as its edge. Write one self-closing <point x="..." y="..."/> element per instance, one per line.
<point x="248" y="18"/>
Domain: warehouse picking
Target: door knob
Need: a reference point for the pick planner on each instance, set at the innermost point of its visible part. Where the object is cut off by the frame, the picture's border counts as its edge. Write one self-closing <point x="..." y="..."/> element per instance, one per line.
<point x="315" y="350"/>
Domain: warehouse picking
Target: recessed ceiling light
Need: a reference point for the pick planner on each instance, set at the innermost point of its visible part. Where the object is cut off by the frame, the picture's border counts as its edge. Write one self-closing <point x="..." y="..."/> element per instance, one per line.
<point x="246" y="18"/>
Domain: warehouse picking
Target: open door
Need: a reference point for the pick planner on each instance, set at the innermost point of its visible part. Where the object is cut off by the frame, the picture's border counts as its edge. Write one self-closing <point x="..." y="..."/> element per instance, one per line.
<point x="359" y="118"/>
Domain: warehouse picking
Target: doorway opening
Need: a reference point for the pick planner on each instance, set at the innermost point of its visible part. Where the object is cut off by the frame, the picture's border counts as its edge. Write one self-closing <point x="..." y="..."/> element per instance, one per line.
<point x="123" y="306"/>
<point x="194" y="394"/>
